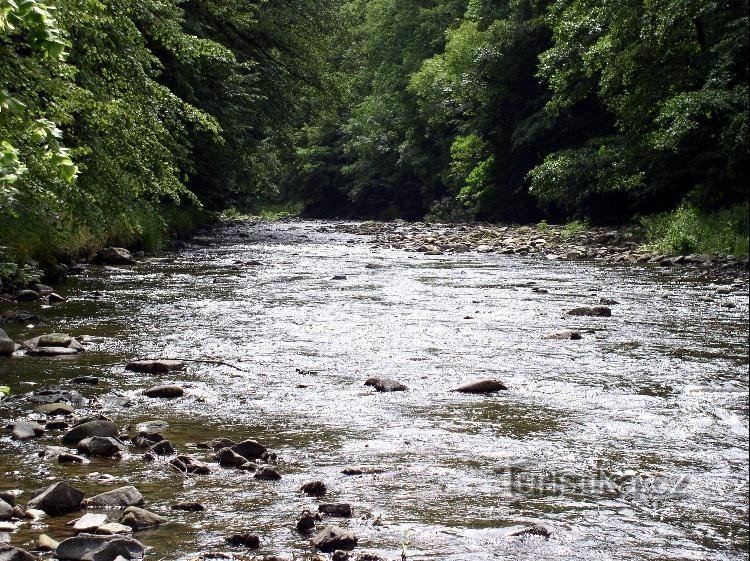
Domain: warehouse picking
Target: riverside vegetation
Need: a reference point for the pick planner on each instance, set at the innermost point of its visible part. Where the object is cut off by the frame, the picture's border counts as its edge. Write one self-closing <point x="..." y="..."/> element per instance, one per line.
<point x="125" y="122"/>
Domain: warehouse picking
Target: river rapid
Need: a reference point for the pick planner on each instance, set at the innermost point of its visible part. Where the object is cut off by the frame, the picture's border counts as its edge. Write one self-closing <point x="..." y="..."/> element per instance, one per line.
<point x="630" y="444"/>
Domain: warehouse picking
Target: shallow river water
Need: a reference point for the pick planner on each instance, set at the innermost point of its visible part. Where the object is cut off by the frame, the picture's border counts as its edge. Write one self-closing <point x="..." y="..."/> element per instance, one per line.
<point x="631" y="444"/>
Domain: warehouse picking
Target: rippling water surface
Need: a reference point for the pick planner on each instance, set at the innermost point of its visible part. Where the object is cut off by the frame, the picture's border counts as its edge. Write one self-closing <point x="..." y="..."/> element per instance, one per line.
<point x="631" y="444"/>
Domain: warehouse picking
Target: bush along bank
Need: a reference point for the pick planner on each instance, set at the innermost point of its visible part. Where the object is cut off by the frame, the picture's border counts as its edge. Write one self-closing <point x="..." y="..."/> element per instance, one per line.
<point x="36" y="253"/>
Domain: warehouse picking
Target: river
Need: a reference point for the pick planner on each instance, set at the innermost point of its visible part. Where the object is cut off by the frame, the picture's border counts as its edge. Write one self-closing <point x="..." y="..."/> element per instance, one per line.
<point x="630" y="444"/>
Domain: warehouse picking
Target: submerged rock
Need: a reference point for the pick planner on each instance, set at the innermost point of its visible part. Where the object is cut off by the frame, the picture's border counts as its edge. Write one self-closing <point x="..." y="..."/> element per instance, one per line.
<point x="481" y="386"/>
<point x="165" y="392"/>
<point x="228" y="458"/>
<point x="565" y="336"/>
<point x="306" y="521"/>
<point x="163" y="448"/>
<point x="57" y="499"/>
<point x="595" y="311"/>
<point x="534" y="530"/>
<point x="332" y="538"/>
<point x="268" y="474"/>
<point x="155" y="366"/>
<point x="10" y="553"/>
<point x="7" y="346"/>
<point x="250" y="541"/>
<point x="343" y="510"/>
<point x="385" y="385"/>
<point x="188" y="507"/>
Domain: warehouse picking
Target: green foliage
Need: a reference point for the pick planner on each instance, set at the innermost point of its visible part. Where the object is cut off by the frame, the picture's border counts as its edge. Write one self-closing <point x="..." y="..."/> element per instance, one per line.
<point x="573" y="229"/>
<point x="688" y="230"/>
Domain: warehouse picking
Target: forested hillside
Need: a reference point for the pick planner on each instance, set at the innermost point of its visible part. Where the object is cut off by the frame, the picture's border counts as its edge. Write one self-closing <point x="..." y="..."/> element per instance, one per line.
<point x="117" y="116"/>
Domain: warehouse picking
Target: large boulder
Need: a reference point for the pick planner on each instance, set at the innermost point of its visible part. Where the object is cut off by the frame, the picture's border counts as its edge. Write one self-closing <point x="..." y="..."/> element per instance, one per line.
<point x="57" y="499"/>
<point x="332" y="538"/>
<point x="90" y="547"/>
<point x="122" y="497"/>
<point x="10" y="553"/>
<point x="90" y="429"/>
<point x="155" y="366"/>
<point x="481" y="386"/>
<point x="114" y="256"/>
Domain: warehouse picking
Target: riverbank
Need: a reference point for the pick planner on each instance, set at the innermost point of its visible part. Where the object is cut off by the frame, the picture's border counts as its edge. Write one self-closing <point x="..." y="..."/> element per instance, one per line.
<point x="573" y="242"/>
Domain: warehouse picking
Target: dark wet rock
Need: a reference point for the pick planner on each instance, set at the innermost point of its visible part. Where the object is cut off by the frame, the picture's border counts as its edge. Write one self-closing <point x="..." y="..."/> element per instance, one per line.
<point x="57" y="499"/>
<point x="27" y="296"/>
<point x="100" y="446"/>
<point x="343" y="510"/>
<point x="10" y="553"/>
<point x="268" y="474"/>
<point x="6" y="510"/>
<point x="481" y="386"/>
<point x="24" y="430"/>
<point x="57" y="395"/>
<point x="18" y="316"/>
<point x="363" y="470"/>
<point x="165" y="392"/>
<point x="155" y="366"/>
<point x="147" y="439"/>
<point x="250" y="449"/>
<point x="595" y="311"/>
<point x="604" y="301"/>
<point x="368" y="557"/>
<point x="332" y="538"/>
<point x="114" y="256"/>
<point x="140" y="519"/>
<point x="385" y="385"/>
<point x="314" y="488"/>
<point x="229" y="459"/>
<point x="43" y="289"/>
<point x="9" y="497"/>
<point x="534" y="530"/>
<point x="70" y="459"/>
<point x="250" y="541"/>
<point x="91" y="547"/>
<point x="565" y="336"/>
<point x="122" y="497"/>
<point x="175" y="463"/>
<point x="56" y="409"/>
<point x="217" y="444"/>
<point x="86" y="380"/>
<point x="339" y="278"/>
<point x="105" y="429"/>
<point x="57" y="425"/>
<point x="163" y="448"/>
<point x="188" y="507"/>
<point x="7" y="346"/>
<point x="306" y="521"/>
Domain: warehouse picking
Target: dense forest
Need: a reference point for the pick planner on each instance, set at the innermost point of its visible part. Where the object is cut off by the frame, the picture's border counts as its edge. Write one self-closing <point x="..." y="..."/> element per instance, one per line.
<point x="121" y="120"/>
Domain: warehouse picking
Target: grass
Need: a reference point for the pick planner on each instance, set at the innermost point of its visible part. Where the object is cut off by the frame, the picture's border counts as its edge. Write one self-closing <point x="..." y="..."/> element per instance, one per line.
<point x="271" y="212"/>
<point x="688" y="230"/>
<point x="573" y="229"/>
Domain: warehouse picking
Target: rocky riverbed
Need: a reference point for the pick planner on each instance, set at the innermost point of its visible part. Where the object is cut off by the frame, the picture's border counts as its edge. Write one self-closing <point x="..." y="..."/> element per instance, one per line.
<point x="310" y="390"/>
